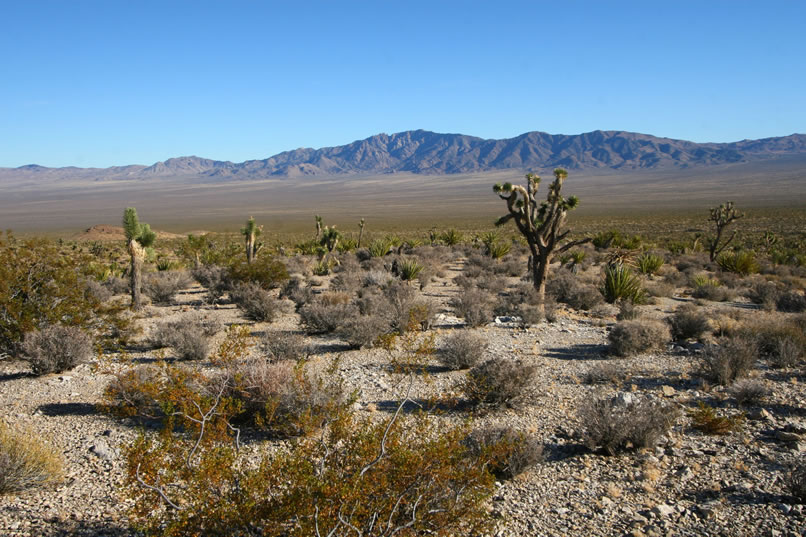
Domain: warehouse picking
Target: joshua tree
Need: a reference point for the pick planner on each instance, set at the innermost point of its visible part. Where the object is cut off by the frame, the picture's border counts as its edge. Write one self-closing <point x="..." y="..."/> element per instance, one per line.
<point x="195" y="246"/>
<point x="138" y="238"/>
<point x="540" y="224"/>
<point x="250" y="233"/>
<point x="360" y="232"/>
<point x="722" y="217"/>
<point x="318" y="226"/>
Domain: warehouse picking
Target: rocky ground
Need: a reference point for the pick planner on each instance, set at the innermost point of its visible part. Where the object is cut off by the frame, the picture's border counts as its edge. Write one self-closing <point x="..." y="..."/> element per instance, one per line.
<point x="691" y="484"/>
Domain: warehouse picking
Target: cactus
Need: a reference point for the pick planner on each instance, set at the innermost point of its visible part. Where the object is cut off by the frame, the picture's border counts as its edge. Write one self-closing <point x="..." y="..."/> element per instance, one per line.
<point x="541" y="224"/>
<point x="251" y="232"/>
<point x="722" y="217"/>
<point x="139" y="237"/>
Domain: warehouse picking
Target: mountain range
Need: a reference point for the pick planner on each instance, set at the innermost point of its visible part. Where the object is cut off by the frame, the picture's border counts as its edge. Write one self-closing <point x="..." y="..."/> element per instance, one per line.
<point x="429" y="153"/>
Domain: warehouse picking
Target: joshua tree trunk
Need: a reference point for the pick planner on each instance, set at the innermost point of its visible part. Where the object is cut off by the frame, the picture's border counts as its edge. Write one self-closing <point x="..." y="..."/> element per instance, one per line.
<point x="540" y="271"/>
<point x="360" y="232"/>
<point x="137" y="254"/>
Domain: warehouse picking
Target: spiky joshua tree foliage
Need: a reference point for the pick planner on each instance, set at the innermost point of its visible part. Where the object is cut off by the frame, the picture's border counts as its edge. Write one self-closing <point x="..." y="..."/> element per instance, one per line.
<point x="139" y="237"/>
<point x="250" y="233"/>
<point x="541" y="224"/>
<point x="722" y="217"/>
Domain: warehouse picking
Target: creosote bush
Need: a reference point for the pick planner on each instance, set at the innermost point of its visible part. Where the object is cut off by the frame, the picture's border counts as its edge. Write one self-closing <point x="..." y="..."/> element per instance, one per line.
<point x="640" y="335"/>
<point x="400" y="476"/>
<point x="624" y="422"/>
<point x="462" y="350"/>
<point x="56" y="348"/>
<point x="25" y="461"/>
<point x="497" y="382"/>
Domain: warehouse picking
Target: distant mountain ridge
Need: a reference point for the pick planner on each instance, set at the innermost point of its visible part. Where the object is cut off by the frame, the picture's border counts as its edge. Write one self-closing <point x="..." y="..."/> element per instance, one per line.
<point x="425" y="152"/>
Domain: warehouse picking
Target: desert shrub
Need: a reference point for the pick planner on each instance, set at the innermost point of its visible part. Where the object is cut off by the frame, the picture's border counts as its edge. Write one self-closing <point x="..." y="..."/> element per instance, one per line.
<point x="743" y="263"/>
<point x="161" y="287"/>
<point x="566" y="288"/>
<point x="285" y="398"/>
<point x="497" y="382"/>
<point x="512" y="452"/>
<point x="621" y="284"/>
<point x="404" y="472"/>
<point x="25" y="461"/>
<point x="56" y="348"/>
<point x="733" y="359"/>
<point x="627" y="311"/>
<point x="116" y="285"/>
<point x="641" y="335"/>
<point x="474" y="306"/>
<point x="264" y="270"/>
<point x="510" y="266"/>
<point x="749" y="392"/>
<point x="282" y="346"/>
<point x="706" y="419"/>
<point x="297" y="291"/>
<point x="135" y="392"/>
<point x="605" y="372"/>
<point x="188" y="337"/>
<point x="40" y="285"/>
<point x="660" y="289"/>
<point x="407" y="311"/>
<point x="462" y="350"/>
<point x="346" y="281"/>
<point x="213" y="278"/>
<point x="648" y="263"/>
<point x="791" y="302"/>
<point x="98" y="290"/>
<point x="426" y="275"/>
<point x="363" y="330"/>
<point x="624" y="422"/>
<point x="492" y="284"/>
<point x="688" y="322"/>
<point x="710" y="289"/>
<point x="778" y="340"/>
<point x="376" y="278"/>
<point x="256" y="303"/>
<point x="764" y="293"/>
<point x="320" y="317"/>
<point x="796" y="481"/>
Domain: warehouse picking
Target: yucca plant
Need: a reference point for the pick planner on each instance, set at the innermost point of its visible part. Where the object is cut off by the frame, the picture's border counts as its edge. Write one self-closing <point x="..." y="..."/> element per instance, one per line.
<point x="347" y="244"/>
<point x="380" y="247"/>
<point x="139" y="239"/>
<point x="648" y="263"/>
<point x="620" y="283"/>
<point x="451" y="237"/>
<point x="497" y="250"/>
<point x="702" y="280"/>
<point x="409" y="268"/>
<point x="742" y="263"/>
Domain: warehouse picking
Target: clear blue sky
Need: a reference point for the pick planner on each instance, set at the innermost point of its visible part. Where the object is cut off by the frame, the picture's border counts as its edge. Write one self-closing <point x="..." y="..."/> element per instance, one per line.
<point x="118" y="82"/>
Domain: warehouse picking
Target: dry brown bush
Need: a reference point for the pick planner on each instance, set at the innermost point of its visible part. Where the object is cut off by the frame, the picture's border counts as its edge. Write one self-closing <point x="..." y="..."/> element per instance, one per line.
<point x="641" y="335"/>
<point x="56" y="348"/>
<point x="497" y="382"/>
<point x="25" y="461"/>
<point x="462" y="350"/>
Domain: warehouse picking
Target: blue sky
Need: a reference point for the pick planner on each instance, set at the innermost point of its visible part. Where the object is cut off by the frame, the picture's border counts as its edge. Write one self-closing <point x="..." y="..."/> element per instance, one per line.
<point x="112" y="82"/>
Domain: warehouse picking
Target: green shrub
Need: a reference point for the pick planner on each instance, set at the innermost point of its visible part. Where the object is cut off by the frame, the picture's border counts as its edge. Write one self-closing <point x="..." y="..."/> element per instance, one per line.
<point x="25" y="461"/>
<point x="649" y="264"/>
<point x="451" y="237"/>
<point x="705" y="418"/>
<point x="743" y="263"/>
<point x="264" y="270"/>
<point x="380" y="247"/>
<point x="621" y="284"/>
<point x="409" y="268"/>
<point x="41" y="285"/>
<point x="497" y="250"/>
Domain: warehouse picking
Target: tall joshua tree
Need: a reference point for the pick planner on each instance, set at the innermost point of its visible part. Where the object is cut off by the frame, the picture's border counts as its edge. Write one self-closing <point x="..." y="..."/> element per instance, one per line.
<point x="138" y="237"/>
<point x="722" y="217"/>
<point x="541" y="224"/>
<point x="250" y="233"/>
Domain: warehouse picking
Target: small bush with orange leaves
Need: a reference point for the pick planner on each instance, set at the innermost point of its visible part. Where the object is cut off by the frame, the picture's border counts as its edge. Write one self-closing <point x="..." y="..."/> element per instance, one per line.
<point x="398" y="476"/>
